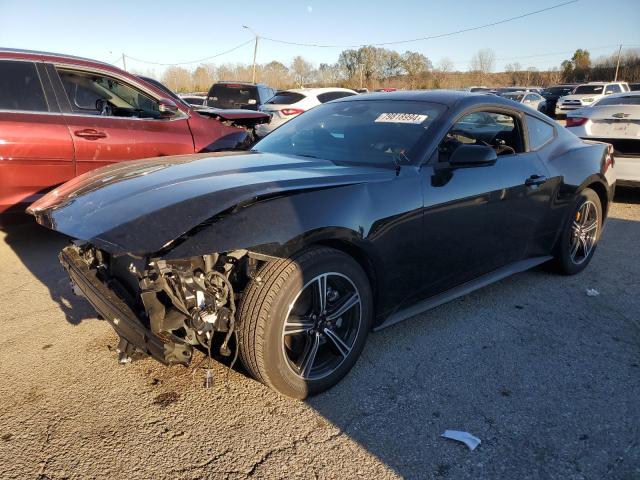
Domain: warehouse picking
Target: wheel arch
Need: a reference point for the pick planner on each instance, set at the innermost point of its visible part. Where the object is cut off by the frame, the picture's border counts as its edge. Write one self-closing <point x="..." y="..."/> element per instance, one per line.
<point x="601" y="191"/>
<point x="360" y="255"/>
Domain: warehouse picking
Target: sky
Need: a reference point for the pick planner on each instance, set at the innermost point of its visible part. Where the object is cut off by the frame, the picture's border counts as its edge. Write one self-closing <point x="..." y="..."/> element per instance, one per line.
<point x="173" y="32"/>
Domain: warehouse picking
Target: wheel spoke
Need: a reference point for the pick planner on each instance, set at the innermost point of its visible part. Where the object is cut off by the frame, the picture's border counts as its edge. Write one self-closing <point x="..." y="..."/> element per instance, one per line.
<point x="337" y="342"/>
<point x="320" y="295"/>
<point x="347" y="304"/>
<point x="574" y="247"/>
<point x="296" y="325"/>
<point x="575" y="226"/>
<point x="591" y="226"/>
<point x="308" y="357"/>
<point x="585" y="247"/>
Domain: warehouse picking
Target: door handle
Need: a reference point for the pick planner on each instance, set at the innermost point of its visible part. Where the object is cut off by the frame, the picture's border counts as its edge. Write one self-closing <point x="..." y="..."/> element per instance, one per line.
<point x="90" y="134"/>
<point x="535" y="180"/>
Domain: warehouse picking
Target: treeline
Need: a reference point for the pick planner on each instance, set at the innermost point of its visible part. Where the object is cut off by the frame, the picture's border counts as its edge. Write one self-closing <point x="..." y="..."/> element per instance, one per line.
<point x="371" y="67"/>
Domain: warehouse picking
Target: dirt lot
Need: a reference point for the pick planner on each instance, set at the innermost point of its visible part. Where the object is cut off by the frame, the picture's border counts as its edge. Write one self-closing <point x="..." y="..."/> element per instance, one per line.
<point x="546" y="376"/>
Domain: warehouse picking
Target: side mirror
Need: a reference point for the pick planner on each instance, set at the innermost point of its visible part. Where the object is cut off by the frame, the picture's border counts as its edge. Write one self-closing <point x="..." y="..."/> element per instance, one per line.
<point x="167" y="107"/>
<point x="472" y="155"/>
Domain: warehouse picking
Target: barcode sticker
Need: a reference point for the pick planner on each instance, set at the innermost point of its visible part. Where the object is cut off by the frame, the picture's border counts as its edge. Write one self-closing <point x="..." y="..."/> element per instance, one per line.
<point x="414" y="118"/>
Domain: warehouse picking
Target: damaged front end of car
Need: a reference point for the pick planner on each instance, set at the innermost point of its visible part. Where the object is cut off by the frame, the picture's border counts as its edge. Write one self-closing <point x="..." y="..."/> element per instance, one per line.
<point x="163" y="308"/>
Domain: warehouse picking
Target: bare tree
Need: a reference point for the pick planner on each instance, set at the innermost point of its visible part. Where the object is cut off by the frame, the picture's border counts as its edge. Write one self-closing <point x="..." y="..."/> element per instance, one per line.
<point x="177" y="79"/>
<point x="483" y="61"/>
<point x="275" y="74"/>
<point x="203" y="77"/>
<point x="301" y="70"/>
<point x="416" y="65"/>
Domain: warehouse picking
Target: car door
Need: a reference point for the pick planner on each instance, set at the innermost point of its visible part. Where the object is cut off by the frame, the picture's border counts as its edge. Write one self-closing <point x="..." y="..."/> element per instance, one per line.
<point x="483" y="217"/>
<point x="36" y="150"/>
<point x="111" y="119"/>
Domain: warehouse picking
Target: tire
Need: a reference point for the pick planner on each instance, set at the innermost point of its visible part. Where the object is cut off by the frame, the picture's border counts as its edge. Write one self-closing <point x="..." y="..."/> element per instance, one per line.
<point x="283" y="295"/>
<point x="567" y="260"/>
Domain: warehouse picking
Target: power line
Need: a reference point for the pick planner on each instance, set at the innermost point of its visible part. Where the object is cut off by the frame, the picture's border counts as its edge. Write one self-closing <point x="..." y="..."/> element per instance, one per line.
<point x="193" y="61"/>
<point x="441" y="35"/>
<point x="565" y="52"/>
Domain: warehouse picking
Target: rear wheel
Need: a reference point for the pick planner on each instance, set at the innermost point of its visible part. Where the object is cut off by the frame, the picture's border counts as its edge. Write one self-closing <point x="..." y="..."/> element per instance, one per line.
<point x="581" y="234"/>
<point x="304" y="321"/>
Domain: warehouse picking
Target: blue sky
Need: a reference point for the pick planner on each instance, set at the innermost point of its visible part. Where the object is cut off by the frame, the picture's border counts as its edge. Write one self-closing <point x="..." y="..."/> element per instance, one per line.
<point x="170" y="31"/>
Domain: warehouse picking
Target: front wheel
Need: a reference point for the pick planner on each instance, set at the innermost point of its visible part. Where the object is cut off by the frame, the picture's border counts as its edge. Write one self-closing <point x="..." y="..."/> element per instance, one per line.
<point x="580" y="234"/>
<point x="304" y="321"/>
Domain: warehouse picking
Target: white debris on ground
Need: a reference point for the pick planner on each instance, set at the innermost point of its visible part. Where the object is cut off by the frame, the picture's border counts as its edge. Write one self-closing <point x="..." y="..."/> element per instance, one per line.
<point x="465" y="437"/>
<point x="592" y="292"/>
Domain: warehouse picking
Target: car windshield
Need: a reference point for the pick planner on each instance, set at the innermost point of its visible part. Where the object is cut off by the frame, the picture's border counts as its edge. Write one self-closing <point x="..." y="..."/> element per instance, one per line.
<point x="231" y="95"/>
<point x="370" y="132"/>
<point x="621" y="100"/>
<point x="589" y="89"/>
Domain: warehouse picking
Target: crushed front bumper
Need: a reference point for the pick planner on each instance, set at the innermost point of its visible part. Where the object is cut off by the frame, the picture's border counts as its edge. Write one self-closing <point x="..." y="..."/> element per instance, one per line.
<point x="119" y="315"/>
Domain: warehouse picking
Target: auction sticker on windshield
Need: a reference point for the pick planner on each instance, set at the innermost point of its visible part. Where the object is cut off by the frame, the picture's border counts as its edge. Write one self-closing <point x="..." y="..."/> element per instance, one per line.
<point x="415" y="118"/>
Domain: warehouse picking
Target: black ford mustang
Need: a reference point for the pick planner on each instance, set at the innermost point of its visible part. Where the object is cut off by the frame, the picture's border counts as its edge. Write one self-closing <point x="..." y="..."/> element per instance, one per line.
<point x="358" y="214"/>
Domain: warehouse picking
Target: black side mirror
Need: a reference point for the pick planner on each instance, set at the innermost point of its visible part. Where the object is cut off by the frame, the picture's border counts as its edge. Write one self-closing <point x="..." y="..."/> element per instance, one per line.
<point x="471" y="155"/>
<point x="168" y="108"/>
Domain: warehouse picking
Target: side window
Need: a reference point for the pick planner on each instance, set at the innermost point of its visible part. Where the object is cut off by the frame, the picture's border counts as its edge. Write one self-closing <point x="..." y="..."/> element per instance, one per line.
<point x="498" y="130"/>
<point x="530" y="97"/>
<point x="615" y="88"/>
<point x="328" y="96"/>
<point x="95" y="94"/>
<point x="540" y="132"/>
<point x="20" y="87"/>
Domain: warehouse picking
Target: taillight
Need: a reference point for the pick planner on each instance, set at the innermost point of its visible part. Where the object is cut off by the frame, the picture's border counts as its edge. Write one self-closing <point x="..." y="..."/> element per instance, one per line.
<point x="576" y="121"/>
<point x="291" y="111"/>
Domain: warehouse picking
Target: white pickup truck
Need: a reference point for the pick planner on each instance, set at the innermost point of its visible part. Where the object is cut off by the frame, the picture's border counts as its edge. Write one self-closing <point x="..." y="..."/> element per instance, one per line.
<point x="584" y="95"/>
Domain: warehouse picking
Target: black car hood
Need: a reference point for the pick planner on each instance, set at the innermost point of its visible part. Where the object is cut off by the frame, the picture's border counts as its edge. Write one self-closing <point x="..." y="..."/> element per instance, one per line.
<point x="140" y="206"/>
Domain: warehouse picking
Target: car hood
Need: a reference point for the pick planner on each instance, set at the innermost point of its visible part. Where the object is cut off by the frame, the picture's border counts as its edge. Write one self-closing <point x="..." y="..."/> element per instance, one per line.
<point x="140" y="206"/>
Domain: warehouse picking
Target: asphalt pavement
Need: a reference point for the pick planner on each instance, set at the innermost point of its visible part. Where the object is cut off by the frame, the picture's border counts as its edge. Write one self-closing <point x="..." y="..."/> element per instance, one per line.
<point x="545" y="375"/>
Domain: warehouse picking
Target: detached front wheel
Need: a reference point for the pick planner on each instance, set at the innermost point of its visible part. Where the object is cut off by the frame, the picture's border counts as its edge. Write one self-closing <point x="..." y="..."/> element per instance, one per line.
<point x="304" y="321"/>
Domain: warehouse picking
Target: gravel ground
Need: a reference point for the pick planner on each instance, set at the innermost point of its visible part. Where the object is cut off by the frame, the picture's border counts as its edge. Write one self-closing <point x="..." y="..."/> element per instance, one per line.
<point x="546" y="376"/>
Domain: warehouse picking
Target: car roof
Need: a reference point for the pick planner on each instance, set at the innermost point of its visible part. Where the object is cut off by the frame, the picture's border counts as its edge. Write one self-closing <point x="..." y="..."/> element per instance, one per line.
<point x="446" y="97"/>
<point x="317" y="91"/>
<point x="632" y="93"/>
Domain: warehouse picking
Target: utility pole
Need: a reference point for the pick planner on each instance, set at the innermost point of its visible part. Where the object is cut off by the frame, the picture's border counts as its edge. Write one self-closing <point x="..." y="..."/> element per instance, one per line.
<point x="255" y="52"/>
<point x="124" y="62"/>
<point x="618" y="64"/>
<point x="361" y="71"/>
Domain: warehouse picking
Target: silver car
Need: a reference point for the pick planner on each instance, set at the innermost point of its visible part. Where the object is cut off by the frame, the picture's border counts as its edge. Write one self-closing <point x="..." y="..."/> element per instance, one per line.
<point x="531" y="99"/>
<point x="614" y="119"/>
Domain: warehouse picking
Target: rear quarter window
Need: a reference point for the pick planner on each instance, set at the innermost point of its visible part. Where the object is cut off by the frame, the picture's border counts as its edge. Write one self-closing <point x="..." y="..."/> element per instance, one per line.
<point x="285" y="98"/>
<point x="540" y="133"/>
<point x="20" y="87"/>
<point x="328" y="96"/>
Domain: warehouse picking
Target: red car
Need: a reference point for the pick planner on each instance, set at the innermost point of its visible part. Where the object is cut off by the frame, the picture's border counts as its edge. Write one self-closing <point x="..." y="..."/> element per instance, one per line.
<point x="61" y="116"/>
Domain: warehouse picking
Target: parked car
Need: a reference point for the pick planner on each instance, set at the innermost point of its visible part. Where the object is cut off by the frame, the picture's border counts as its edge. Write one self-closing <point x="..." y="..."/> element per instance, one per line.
<point x="502" y="90"/>
<point x="356" y="215"/>
<point x="239" y="95"/>
<point x="552" y="94"/>
<point x="61" y="116"/>
<point x="288" y="104"/>
<point x="530" y="99"/>
<point x="361" y="90"/>
<point x="616" y="120"/>
<point x="477" y="89"/>
<point x="634" y="87"/>
<point x="386" y="89"/>
<point x="195" y="101"/>
<point x="587" y="93"/>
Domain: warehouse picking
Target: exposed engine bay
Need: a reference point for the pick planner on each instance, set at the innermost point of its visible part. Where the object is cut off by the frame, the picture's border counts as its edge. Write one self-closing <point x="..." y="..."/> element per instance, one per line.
<point x="184" y="303"/>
